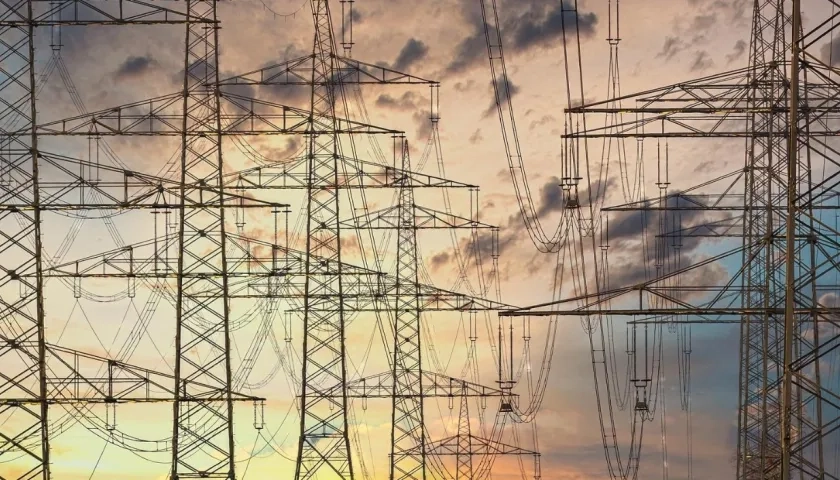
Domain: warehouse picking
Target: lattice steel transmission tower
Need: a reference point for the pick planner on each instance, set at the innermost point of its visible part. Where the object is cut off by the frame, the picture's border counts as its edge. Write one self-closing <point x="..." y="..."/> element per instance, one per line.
<point x="202" y="436"/>
<point x="324" y="442"/>
<point x="784" y="105"/>
<point x="30" y="384"/>
<point x="407" y="401"/>
<point x="213" y="268"/>
<point x="408" y="384"/>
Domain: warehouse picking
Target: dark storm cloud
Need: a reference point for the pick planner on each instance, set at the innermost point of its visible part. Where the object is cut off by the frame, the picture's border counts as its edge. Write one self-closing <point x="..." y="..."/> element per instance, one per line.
<point x="134" y="66"/>
<point x="468" y="52"/>
<point x="291" y="95"/>
<point x="199" y="70"/>
<point x="412" y="52"/>
<point x="292" y="147"/>
<point x="482" y="246"/>
<point x="506" y="89"/>
<point x="551" y="199"/>
<point x="631" y="225"/>
<point x="532" y="25"/>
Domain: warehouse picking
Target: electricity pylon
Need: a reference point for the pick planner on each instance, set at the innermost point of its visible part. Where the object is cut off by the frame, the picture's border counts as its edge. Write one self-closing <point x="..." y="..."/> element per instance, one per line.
<point x="410" y="383"/>
<point x="324" y="444"/>
<point x="783" y="105"/>
<point x="24" y="385"/>
<point x="202" y="436"/>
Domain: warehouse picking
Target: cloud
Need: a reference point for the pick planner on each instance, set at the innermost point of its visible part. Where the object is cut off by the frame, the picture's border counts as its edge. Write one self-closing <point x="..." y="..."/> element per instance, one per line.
<point x="506" y="89"/>
<point x="198" y="69"/>
<point x="702" y="61"/>
<point x="551" y="197"/>
<point x="292" y="95"/>
<point x="439" y="260"/>
<point x="357" y="16"/>
<point x="535" y="24"/>
<point x="407" y="102"/>
<point x="544" y="120"/>
<point x="424" y="125"/>
<point x="672" y="46"/>
<point x="634" y="233"/>
<point x="512" y="232"/>
<point x="412" y="52"/>
<point x="134" y="66"/>
<point x="702" y="23"/>
<point x="737" y="51"/>
<point x="536" y="28"/>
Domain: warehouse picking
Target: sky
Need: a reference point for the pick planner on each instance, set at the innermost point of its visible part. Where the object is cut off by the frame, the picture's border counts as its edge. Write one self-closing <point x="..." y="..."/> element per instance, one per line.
<point x="662" y="42"/>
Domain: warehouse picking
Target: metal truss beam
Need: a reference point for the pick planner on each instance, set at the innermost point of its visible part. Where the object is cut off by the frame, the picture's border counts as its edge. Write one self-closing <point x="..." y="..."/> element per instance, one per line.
<point x="46" y="13"/>
<point x="78" y="377"/>
<point x="243" y="116"/>
<point x="424" y="218"/>
<point x="256" y="268"/>
<point x="345" y="70"/>
<point x="71" y="187"/>
<point x="353" y="173"/>
<point x="434" y="385"/>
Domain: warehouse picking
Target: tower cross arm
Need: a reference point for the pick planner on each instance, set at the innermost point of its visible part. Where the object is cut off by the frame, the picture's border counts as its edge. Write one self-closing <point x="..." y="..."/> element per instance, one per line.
<point x="353" y="173"/>
<point x="478" y="446"/>
<point x="242" y="115"/>
<point x="345" y="70"/>
<point x="716" y="106"/>
<point x="424" y="219"/>
<point x="74" y="376"/>
<point x="76" y="184"/>
<point x="435" y="385"/>
<point x="84" y="12"/>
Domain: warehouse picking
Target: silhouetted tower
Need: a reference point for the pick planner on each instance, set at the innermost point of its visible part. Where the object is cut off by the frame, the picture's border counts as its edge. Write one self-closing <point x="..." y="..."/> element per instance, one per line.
<point x="202" y="437"/>
<point x="25" y="390"/>
<point x="463" y="456"/>
<point x="782" y="105"/>
<point x="324" y="442"/>
<point x="407" y="428"/>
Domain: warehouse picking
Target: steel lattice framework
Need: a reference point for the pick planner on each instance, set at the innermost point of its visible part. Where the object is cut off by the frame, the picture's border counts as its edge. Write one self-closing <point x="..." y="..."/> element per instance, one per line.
<point x="213" y="267"/>
<point x="324" y="444"/>
<point x="409" y="383"/>
<point x="324" y="437"/>
<point x="203" y="428"/>
<point x="784" y="104"/>
<point x="26" y="379"/>
<point x="407" y="425"/>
